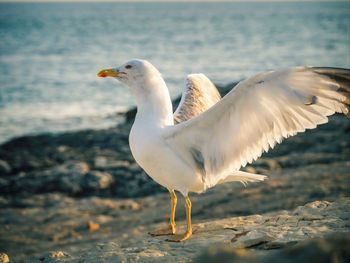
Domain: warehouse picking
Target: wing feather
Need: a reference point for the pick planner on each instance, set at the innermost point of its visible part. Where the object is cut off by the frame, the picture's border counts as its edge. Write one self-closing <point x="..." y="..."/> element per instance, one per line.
<point x="198" y="96"/>
<point x="258" y="113"/>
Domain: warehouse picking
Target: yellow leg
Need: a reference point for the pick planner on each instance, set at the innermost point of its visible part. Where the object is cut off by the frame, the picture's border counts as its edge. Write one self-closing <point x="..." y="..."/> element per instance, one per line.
<point x="171" y="228"/>
<point x="188" y="233"/>
<point x="172" y="211"/>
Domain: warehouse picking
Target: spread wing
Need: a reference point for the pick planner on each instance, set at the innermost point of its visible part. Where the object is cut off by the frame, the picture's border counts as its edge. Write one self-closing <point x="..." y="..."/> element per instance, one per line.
<point x="258" y="113"/>
<point x="198" y="96"/>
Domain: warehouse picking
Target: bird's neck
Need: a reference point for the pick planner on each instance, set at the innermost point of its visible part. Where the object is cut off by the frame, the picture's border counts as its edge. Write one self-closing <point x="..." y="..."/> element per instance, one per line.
<point x="153" y="102"/>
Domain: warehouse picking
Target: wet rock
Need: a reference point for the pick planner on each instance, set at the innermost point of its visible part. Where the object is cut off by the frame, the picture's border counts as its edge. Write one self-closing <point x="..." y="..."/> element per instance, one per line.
<point x="4" y="183"/>
<point x="74" y="178"/>
<point x="5" y="168"/>
<point x="74" y="167"/>
<point x="269" y="164"/>
<point x="62" y="148"/>
<point x="96" y="180"/>
<point x="102" y="162"/>
<point x="250" y="169"/>
<point x="36" y="162"/>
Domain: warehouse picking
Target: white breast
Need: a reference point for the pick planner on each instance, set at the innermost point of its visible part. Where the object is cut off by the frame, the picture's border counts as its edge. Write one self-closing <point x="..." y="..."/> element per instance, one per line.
<point x="160" y="162"/>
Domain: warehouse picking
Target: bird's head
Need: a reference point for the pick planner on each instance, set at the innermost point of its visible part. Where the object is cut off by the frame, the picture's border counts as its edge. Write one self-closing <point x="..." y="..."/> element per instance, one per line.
<point x="132" y="73"/>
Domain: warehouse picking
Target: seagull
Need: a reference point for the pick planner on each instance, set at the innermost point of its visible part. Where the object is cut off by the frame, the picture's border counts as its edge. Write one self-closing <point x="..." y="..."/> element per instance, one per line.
<point x="209" y="139"/>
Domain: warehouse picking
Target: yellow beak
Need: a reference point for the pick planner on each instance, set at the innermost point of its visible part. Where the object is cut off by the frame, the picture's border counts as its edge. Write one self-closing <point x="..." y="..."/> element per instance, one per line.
<point x="108" y="73"/>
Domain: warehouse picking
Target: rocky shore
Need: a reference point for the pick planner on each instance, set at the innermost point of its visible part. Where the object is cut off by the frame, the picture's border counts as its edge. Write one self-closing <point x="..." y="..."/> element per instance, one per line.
<point x="80" y="197"/>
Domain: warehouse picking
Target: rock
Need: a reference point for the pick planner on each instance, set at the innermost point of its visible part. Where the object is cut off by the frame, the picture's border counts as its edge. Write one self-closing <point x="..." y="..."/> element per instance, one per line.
<point x="104" y="253"/>
<point x="62" y="148"/>
<point x="53" y="257"/>
<point x="74" y="167"/>
<point x="231" y="239"/>
<point x="5" y="168"/>
<point x="250" y="169"/>
<point x="130" y="205"/>
<point x="248" y="239"/>
<point x="102" y="162"/>
<point x="58" y="254"/>
<point x="124" y="225"/>
<point x="74" y="178"/>
<point x="332" y="248"/>
<point x="43" y="159"/>
<point x="272" y="164"/>
<point x="3" y="201"/>
<point x="96" y="180"/>
<point x="83" y="182"/>
<point x="4" y="258"/>
<point x="226" y="254"/>
<point x="309" y="211"/>
<point x="93" y="226"/>
<point x="281" y="229"/>
<point x="4" y="183"/>
<point x="69" y="177"/>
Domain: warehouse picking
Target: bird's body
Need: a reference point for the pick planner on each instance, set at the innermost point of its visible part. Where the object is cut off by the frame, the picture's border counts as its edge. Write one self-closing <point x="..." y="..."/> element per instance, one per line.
<point x="149" y="147"/>
<point x="160" y="162"/>
<point x="212" y="139"/>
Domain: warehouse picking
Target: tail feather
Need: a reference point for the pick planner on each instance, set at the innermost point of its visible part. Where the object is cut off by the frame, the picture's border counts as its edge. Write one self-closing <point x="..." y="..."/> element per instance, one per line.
<point x="243" y="177"/>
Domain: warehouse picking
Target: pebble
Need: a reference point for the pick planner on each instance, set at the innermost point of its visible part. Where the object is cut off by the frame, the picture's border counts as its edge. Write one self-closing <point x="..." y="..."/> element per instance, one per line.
<point x="92" y="226"/>
<point x="4" y="258"/>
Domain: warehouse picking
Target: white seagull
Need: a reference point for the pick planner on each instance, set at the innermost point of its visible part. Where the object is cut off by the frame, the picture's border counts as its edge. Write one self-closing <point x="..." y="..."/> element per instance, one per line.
<point x="208" y="139"/>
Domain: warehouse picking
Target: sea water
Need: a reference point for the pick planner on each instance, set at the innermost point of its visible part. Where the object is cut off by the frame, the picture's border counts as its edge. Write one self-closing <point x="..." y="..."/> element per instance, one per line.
<point x="50" y="53"/>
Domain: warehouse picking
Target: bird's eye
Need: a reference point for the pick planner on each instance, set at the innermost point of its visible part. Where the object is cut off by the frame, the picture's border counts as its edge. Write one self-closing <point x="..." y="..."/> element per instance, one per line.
<point x="128" y="66"/>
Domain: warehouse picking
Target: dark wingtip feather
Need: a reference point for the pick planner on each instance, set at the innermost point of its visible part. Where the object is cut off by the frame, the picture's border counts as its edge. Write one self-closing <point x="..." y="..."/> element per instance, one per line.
<point x="340" y="75"/>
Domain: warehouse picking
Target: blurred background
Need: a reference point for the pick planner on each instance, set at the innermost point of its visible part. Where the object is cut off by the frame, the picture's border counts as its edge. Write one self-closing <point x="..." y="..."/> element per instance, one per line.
<point x="72" y="185"/>
<point x="50" y="52"/>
